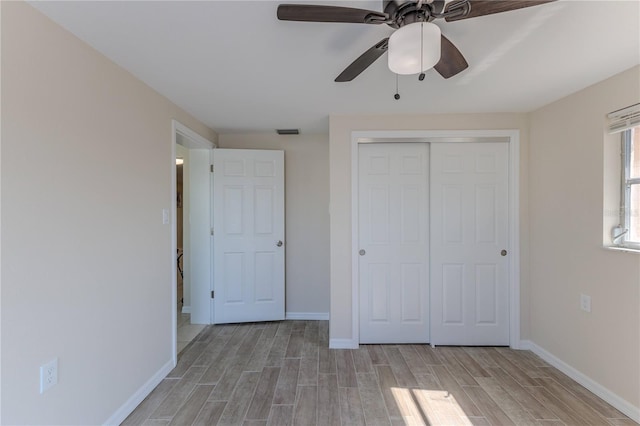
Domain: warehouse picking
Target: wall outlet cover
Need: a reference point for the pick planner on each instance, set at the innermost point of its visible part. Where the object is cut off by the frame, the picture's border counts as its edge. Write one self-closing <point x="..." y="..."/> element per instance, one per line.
<point x="585" y="303"/>
<point x="48" y="375"/>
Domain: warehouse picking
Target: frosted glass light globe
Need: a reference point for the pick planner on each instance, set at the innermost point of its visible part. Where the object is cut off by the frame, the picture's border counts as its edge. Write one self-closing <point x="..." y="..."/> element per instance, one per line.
<point x="404" y="48"/>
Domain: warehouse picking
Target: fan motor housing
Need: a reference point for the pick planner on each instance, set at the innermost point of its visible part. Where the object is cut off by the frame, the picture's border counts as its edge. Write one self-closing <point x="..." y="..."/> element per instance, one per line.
<point x="402" y="13"/>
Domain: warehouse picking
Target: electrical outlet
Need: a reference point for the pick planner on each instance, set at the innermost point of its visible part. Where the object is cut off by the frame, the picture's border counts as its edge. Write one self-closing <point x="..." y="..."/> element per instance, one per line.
<point x="585" y="303"/>
<point x="48" y="375"/>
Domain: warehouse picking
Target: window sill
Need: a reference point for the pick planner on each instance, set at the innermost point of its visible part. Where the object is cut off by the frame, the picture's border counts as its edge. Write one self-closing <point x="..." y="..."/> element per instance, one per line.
<point x="622" y="248"/>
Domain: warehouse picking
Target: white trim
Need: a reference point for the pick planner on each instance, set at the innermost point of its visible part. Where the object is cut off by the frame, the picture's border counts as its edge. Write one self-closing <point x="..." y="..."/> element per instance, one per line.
<point x="355" y="234"/>
<point x="423" y="136"/>
<point x="198" y="255"/>
<point x="312" y="316"/>
<point x="514" y="239"/>
<point x="343" y="344"/>
<point x="186" y="309"/>
<point x="526" y="345"/>
<point x="610" y="397"/>
<point x="193" y="140"/>
<point x="622" y="248"/>
<point x="174" y="244"/>
<point x="135" y="399"/>
<point x="212" y="302"/>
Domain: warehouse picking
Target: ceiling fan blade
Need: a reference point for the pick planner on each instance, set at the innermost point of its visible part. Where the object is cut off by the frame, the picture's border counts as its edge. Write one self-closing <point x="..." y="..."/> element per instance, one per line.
<point x="313" y="13"/>
<point x="451" y="60"/>
<point x="489" y="7"/>
<point x="363" y="62"/>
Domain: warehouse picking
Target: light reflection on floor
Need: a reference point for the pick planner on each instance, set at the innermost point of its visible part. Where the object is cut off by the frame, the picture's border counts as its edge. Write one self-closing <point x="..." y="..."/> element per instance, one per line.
<point x="428" y="407"/>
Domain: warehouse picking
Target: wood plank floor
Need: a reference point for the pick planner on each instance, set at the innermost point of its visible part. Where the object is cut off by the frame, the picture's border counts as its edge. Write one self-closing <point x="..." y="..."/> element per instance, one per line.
<point x="282" y="373"/>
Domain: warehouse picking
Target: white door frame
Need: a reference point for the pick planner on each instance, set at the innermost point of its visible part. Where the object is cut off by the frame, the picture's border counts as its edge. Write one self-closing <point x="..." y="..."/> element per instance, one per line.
<point x="189" y="139"/>
<point x="512" y="137"/>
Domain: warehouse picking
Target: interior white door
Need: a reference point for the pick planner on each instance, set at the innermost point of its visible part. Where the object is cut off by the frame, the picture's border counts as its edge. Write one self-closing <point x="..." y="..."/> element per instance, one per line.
<point x="469" y="231"/>
<point x="393" y="208"/>
<point x="248" y="197"/>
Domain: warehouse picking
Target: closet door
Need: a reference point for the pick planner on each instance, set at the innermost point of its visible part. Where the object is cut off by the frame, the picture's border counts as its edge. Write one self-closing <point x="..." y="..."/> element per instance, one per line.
<point x="393" y="208"/>
<point x="469" y="236"/>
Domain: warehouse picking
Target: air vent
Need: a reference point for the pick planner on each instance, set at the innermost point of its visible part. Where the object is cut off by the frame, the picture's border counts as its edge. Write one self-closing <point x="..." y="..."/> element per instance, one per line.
<point x="288" y="131"/>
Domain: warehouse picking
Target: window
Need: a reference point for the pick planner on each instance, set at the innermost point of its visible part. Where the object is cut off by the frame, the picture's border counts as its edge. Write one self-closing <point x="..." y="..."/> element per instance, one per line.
<point x="630" y="194"/>
<point x="621" y="214"/>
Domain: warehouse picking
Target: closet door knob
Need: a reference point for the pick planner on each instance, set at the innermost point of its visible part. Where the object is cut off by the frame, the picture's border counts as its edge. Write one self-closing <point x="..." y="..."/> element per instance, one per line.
<point x="279" y="243"/>
<point x="362" y="252"/>
<point x="503" y="253"/>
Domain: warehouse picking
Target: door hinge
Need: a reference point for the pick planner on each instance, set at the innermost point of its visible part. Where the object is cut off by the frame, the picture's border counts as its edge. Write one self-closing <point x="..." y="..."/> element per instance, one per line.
<point x="211" y="168"/>
<point x="212" y="294"/>
<point x="211" y="231"/>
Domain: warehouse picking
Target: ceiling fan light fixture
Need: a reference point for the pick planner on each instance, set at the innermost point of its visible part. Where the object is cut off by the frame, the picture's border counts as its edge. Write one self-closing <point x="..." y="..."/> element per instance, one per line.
<point x="405" y="45"/>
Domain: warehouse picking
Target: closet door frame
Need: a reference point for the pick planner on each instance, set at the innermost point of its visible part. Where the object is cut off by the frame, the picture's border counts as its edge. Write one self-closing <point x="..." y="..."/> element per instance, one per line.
<point x="512" y="137"/>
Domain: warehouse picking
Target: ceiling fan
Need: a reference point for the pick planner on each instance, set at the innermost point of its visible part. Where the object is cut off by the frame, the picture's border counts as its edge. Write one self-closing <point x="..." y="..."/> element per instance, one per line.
<point x="398" y="14"/>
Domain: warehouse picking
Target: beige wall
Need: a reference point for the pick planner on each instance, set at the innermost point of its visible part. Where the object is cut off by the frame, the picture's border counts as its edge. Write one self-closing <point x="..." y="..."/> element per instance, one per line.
<point x="307" y="217"/>
<point x="86" y="260"/>
<point x="341" y="127"/>
<point x="566" y="210"/>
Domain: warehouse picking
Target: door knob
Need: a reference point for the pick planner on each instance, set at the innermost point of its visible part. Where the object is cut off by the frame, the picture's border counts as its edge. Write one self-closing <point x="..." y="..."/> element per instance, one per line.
<point x="503" y="253"/>
<point x="279" y="243"/>
<point x="362" y="252"/>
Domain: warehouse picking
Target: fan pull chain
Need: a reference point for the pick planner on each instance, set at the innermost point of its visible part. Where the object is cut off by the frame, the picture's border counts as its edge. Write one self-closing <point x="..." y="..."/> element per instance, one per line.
<point x="421" y="76"/>
<point x="397" y="95"/>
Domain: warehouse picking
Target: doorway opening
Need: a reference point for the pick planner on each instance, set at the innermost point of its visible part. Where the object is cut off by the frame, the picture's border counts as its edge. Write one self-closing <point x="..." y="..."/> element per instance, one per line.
<point x="186" y="331"/>
<point x="185" y="142"/>
<point x="179" y="232"/>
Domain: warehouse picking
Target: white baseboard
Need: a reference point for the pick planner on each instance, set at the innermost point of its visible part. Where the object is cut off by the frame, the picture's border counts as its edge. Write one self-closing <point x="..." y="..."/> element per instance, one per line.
<point x="526" y="345"/>
<point x="312" y="316"/>
<point x="186" y="309"/>
<point x="343" y="344"/>
<point x="135" y="399"/>
<point x="619" y="403"/>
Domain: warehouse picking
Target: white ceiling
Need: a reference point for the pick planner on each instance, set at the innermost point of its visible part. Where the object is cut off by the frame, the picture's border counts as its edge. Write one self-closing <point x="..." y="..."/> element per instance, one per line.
<point x="235" y="67"/>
